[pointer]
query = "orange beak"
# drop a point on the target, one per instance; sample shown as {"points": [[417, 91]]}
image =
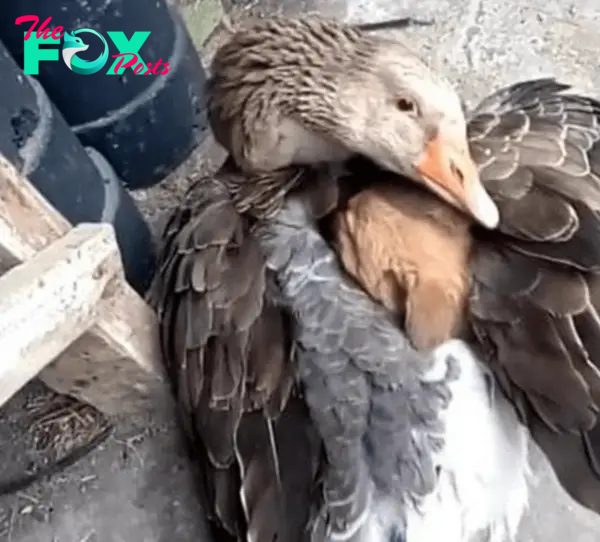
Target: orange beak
{"points": [[446, 167]]}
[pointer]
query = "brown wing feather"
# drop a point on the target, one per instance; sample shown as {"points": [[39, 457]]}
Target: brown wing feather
{"points": [[228, 353], [532, 306]]}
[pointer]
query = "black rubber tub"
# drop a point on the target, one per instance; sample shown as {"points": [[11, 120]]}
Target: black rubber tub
{"points": [[146, 125], [79, 182]]}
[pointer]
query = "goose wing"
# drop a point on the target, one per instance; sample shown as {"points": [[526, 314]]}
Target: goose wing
{"points": [[228, 353], [535, 282], [378, 405]]}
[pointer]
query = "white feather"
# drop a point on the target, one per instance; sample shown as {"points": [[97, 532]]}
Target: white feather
{"points": [[484, 467]]}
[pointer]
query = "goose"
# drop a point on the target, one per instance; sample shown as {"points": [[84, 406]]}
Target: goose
{"points": [[308, 412], [528, 293], [292, 91]]}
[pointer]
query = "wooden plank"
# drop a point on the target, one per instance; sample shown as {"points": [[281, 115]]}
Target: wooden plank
{"points": [[47, 302], [116, 365]]}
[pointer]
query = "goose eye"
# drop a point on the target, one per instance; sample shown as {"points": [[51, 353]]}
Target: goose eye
{"points": [[406, 105]]}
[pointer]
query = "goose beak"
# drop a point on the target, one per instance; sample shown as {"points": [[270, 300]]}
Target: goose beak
{"points": [[446, 167]]}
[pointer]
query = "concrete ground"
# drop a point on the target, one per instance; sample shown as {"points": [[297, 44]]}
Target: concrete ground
{"points": [[136, 487]]}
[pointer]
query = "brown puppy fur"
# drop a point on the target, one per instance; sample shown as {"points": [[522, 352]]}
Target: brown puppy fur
{"points": [[410, 251]]}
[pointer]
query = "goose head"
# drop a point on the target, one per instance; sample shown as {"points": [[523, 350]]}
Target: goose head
{"points": [[306, 90], [411, 122]]}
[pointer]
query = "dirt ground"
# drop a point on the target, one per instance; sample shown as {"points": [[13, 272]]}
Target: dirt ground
{"points": [[137, 485]]}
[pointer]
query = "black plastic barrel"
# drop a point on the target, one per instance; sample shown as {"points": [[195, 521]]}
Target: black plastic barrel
{"points": [[146, 125], [78, 182]]}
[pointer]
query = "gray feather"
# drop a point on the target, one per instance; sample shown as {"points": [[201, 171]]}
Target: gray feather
{"points": [[365, 387]]}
